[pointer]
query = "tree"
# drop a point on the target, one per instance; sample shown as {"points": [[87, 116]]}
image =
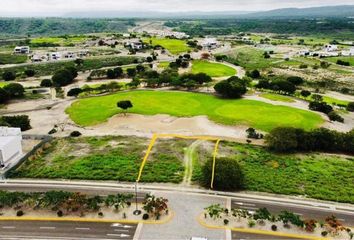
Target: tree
{"points": [[46, 83], [282, 139], [305, 93], [63, 77], [124, 105], [30, 72], [333, 116], [74, 92], [350, 107], [131, 72], [110, 74], [283, 86], [231, 88], [254, 74], [317, 98], [15, 90], [295, 80], [79, 61], [140, 68], [4, 96], [228, 174], [9, 76], [149, 59]]}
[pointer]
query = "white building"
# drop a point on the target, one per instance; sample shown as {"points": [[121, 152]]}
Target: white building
{"points": [[136, 45], [22, 50], [210, 43], [331, 48], [10, 145], [304, 52], [349, 52], [54, 56]]}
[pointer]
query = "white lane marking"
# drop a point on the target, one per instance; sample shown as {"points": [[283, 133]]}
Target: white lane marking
{"points": [[121, 230], [122, 235], [127, 226], [47, 227], [244, 204], [8, 227], [116, 225], [78, 228]]}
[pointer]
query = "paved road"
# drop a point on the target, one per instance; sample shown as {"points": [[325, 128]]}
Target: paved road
{"points": [[241, 236], [306, 211], [65, 230]]}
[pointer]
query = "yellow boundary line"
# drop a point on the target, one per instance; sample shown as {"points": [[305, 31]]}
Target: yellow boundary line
{"points": [[157, 136], [258, 231], [72, 219]]}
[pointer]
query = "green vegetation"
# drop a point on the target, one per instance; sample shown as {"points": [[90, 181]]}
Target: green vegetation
{"points": [[105, 158], [174, 46], [257, 114], [346, 59], [3, 84], [164, 64], [12, 59], [277, 97], [212, 69], [62, 41], [320, 176]]}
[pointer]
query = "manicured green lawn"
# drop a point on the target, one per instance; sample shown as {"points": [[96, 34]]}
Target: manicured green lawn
{"points": [[313, 175], [105, 158], [174, 46], [212, 69], [263, 116], [276, 97]]}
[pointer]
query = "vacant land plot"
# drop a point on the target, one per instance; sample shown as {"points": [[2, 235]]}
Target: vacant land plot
{"points": [[315, 175], [263, 116], [212, 69], [277, 97], [12, 59], [65, 41], [174, 46], [106, 158]]}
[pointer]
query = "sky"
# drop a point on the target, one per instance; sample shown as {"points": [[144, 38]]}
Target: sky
{"points": [[57, 7]]}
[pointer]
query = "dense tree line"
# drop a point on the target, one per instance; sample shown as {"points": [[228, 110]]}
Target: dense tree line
{"points": [[288, 139]]}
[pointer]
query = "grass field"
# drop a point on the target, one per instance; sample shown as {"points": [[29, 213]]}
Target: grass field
{"points": [[58, 40], [276, 97], [212, 69], [346, 59], [263, 116], [12, 59], [316, 175], [174, 46], [164, 64], [106, 158]]}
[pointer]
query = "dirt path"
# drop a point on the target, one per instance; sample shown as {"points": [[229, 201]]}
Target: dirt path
{"points": [[188, 162]]}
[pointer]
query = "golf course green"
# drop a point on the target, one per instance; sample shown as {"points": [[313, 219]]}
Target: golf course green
{"points": [[260, 115], [212, 69]]}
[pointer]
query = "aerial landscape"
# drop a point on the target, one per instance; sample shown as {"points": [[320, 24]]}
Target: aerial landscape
{"points": [[191, 120]]}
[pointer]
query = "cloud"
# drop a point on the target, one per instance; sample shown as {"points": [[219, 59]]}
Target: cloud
{"points": [[62, 6]]}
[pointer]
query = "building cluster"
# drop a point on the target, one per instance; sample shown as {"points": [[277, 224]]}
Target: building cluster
{"points": [[329, 50], [209, 43], [10, 145], [167, 34]]}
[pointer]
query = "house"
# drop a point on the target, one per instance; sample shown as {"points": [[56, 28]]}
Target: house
{"points": [[304, 52], [22, 50], [54, 56], [37, 58], [10, 145], [210, 43], [69, 55], [136, 45], [331, 48]]}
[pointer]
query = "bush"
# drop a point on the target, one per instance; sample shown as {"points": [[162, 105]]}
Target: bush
{"points": [[350, 107], [4, 96], [64, 76], [282, 139], [145, 216], [226, 221], [305, 93], [52, 131], [303, 66], [74, 92], [231, 88], [274, 227], [333, 116], [295, 80], [46, 83], [100, 214], [19, 213], [254, 74], [324, 233], [343, 63], [20, 121], [251, 223], [9, 76], [15, 90], [75, 134], [60, 213], [228, 174], [320, 107], [30, 72]]}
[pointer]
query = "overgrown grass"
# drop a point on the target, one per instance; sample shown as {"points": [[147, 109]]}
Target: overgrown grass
{"points": [[105, 158], [69, 40], [260, 115], [277, 97], [346, 59], [313, 175], [174, 46], [12, 59], [212, 69]]}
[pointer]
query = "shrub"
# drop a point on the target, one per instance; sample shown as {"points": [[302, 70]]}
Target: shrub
{"points": [[350, 107], [30, 72], [4, 96], [320, 107], [343, 63], [64, 76], [228, 174], [46, 83], [20, 121], [52, 131], [145, 216], [324, 233], [254, 74], [100, 214], [282, 139], [9, 76], [19, 213], [295, 80], [251, 223], [124, 105], [226, 221], [303, 66], [75, 134], [15, 90], [305, 93], [60, 213], [274, 227], [74, 92], [333, 116]]}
